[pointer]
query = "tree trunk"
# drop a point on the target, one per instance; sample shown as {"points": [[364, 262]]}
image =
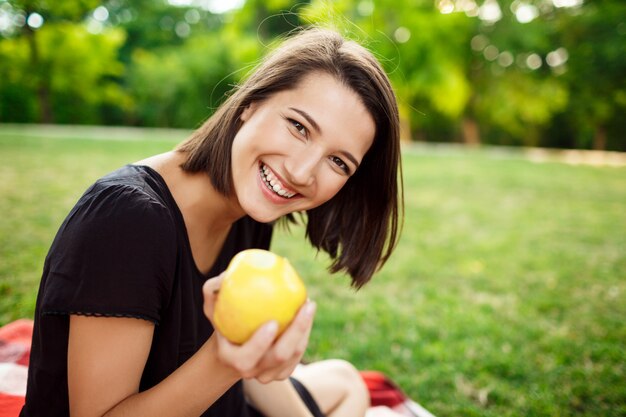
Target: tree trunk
{"points": [[599, 139], [471, 132], [41, 82]]}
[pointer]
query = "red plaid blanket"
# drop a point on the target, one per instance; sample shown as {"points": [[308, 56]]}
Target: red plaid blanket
{"points": [[384, 392], [15, 341]]}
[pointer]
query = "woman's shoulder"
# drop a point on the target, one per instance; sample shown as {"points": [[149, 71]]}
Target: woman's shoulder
{"points": [[126, 188], [136, 180], [131, 198]]}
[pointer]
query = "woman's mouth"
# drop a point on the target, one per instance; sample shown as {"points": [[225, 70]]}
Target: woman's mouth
{"points": [[273, 183]]}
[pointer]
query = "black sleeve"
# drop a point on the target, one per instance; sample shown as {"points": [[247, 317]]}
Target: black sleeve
{"points": [[115, 255]]}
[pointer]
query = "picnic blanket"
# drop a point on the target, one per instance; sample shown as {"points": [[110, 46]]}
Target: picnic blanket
{"points": [[15, 341], [384, 392]]}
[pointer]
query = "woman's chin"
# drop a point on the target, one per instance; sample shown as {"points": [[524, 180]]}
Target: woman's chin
{"points": [[264, 218], [259, 213]]}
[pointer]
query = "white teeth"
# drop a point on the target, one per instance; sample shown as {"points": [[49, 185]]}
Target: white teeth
{"points": [[273, 184]]}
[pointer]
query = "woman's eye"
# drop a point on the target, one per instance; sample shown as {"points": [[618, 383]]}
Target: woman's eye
{"points": [[299, 127], [339, 162]]}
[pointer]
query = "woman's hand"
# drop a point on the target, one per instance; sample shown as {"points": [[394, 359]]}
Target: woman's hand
{"points": [[262, 357]]}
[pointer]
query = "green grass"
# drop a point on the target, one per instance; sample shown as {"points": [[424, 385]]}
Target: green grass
{"points": [[505, 297]]}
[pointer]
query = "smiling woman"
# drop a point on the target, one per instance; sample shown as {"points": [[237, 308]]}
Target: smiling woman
{"points": [[300, 139], [123, 324], [358, 244]]}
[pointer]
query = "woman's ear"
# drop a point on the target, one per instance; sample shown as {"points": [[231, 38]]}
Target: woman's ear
{"points": [[248, 111]]}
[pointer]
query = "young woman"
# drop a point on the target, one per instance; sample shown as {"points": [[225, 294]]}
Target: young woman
{"points": [[122, 322]]}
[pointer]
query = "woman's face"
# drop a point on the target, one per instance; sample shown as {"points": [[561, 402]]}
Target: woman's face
{"points": [[295, 150]]}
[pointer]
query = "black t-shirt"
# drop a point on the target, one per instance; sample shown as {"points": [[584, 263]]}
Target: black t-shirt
{"points": [[123, 251]]}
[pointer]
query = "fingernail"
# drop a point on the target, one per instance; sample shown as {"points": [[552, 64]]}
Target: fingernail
{"points": [[270, 329], [309, 309]]}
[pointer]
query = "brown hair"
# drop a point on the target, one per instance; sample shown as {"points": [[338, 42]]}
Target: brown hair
{"points": [[359, 227]]}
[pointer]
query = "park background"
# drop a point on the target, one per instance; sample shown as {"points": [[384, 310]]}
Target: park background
{"points": [[505, 296]]}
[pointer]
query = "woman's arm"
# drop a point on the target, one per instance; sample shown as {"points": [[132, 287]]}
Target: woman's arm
{"points": [[107, 356]]}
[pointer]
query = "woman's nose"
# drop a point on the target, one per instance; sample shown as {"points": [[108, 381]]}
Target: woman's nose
{"points": [[301, 167]]}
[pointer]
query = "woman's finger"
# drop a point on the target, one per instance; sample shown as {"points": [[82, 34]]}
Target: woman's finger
{"points": [[262, 357], [287, 351], [210, 290], [246, 358], [294, 340], [304, 342]]}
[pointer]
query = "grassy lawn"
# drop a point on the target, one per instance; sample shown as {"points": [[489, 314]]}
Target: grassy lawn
{"points": [[505, 297]]}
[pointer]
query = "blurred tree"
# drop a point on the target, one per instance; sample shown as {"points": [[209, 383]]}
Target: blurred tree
{"points": [[36, 12], [516, 96], [77, 69], [546, 73], [153, 24], [267, 19], [71, 10], [595, 39], [180, 86], [514, 108], [17, 86], [471, 71], [194, 56], [196, 71], [421, 49], [513, 72]]}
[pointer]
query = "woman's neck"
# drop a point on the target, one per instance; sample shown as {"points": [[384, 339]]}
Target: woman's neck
{"points": [[203, 207], [207, 213]]}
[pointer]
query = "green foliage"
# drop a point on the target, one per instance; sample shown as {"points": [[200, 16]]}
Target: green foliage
{"points": [[82, 68], [519, 105], [152, 25], [426, 76], [57, 10], [181, 86], [596, 41], [17, 84], [266, 20], [77, 69], [459, 76]]}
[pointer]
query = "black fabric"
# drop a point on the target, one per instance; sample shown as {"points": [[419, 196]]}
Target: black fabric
{"points": [[306, 397], [123, 251]]}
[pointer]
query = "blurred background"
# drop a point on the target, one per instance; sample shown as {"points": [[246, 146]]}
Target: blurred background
{"points": [[549, 73], [506, 294]]}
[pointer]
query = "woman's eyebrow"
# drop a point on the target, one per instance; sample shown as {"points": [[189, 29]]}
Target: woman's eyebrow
{"points": [[317, 128], [349, 156], [309, 119]]}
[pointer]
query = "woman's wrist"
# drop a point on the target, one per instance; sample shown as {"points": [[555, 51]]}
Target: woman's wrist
{"points": [[211, 356], [198, 383]]}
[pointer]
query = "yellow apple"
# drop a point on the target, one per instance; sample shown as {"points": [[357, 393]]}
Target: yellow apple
{"points": [[258, 286]]}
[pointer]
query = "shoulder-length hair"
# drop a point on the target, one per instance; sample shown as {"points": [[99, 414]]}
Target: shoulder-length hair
{"points": [[360, 226]]}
